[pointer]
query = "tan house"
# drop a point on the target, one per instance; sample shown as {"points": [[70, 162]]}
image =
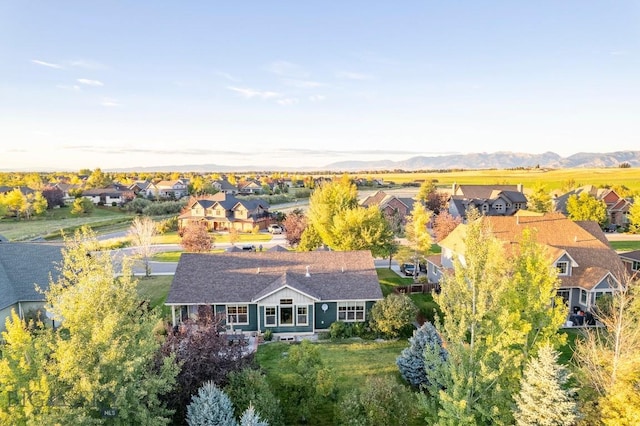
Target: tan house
{"points": [[173, 189], [489, 200], [587, 265], [224, 211]]}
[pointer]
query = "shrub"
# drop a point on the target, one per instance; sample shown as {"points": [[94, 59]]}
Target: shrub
{"points": [[268, 335], [394, 315]]}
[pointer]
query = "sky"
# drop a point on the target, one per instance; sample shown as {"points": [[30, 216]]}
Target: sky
{"points": [[125, 84]]}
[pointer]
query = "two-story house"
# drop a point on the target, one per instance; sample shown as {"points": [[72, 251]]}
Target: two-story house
{"points": [[395, 209], [172, 189], [223, 211], [145, 189], [489, 200], [587, 266], [617, 206]]}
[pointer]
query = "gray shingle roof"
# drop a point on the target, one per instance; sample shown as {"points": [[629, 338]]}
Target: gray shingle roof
{"points": [[22, 266], [246, 276]]}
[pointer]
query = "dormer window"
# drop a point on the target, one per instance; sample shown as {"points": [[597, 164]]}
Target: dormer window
{"points": [[563, 268]]}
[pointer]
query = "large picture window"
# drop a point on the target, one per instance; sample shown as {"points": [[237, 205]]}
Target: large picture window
{"points": [[237, 314], [350, 311]]}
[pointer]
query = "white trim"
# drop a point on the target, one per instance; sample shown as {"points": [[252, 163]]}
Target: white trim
{"points": [[237, 315], [286, 286]]}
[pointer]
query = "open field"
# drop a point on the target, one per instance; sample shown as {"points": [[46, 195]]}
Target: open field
{"points": [[549, 178]]}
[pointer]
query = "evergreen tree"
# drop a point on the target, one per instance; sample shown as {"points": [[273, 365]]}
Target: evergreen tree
{"points": [[411, 361], [544, 399], [250, 388], [210, 407], [251, 418]]}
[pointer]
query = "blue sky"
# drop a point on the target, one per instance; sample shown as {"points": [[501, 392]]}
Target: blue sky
{"points": [[306, 83]]}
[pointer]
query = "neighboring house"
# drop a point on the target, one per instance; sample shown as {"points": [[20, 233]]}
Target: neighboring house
{"points": [[24, 189], [223, 185], [67, 189], [289, 293], [23, 268], [587, 265], [490, 200], [223, 211], [617, 207], [631, 262], [249, 187], [109, 196], [145, 189], [173, 189], [393, 207]]}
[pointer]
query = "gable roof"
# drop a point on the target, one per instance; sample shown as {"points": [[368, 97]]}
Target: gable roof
{"points": [[247, 276], [482, 191], [584, 242], [22, 266]]}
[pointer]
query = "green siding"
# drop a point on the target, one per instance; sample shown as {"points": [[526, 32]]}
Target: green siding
{"points": [[289, 329], [325, 319]]}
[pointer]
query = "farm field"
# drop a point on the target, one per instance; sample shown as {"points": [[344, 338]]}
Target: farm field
{"points": [[550, 178]]}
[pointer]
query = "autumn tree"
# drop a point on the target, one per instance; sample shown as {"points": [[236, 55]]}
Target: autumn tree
{"points": [[196, 238], [444, 223], [82, 206], [634, 216], [586, 207], [609, 360], [294, 225], [98, 179], [202, 353], [498, 310], [394, 315], [417, 231], [141, 233], [13, 201], [539, 200], [431, 198], [54, 197], [234, 235], [104, 353]]}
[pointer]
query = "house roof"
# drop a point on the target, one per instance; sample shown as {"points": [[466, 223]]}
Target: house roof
{"points": [[631, 255], [22, 266], [482, 191], [247, 276], [584, 242]]}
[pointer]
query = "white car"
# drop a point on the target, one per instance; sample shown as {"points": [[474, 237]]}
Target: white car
{"points": [[275, 229]]}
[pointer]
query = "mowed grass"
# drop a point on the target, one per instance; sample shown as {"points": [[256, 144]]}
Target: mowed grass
{"points": [[174, 238], [154, 289], [424, 301], [622, 246], [57, 220]]}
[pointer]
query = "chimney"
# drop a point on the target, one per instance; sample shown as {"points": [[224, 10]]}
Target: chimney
{"points": [[307, 274], [258, 271], [454, 187], [519, 187]]}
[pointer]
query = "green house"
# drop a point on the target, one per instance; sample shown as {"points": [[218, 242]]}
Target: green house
{"points": [[289, 293]]}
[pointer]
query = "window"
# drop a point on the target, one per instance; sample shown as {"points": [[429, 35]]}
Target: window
{"points": [[270, 315], [286, 301], [499, 207], [302, 315], [635, 266], [583, 297], [237, 314], [563, 268], [218, 212], [350, 311], [565, 296]]}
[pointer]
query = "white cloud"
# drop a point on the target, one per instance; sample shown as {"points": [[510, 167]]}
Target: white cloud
{"points": [[302, 84], [251, 93], [317, 98], [287, 101], [89, 65], [228, 76], [75, 87], [88, 82], [349, 75], [287, 69], [109, 102], [47, 64]]}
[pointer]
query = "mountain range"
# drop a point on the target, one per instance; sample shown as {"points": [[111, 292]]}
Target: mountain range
{"points": [[496, 160]]}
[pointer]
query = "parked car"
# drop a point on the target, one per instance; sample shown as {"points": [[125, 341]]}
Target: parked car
{"points": [[275, 229], [408, 269], [249, 247]]}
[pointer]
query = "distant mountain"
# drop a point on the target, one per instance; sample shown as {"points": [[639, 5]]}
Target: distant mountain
{"points": [[496, 160], [484, 160]]}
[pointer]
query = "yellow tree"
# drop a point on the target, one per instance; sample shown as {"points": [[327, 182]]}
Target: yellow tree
{"points": [[417, 230], [141, 232]]}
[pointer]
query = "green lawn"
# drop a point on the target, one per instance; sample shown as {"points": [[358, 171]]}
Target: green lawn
{"points": [[174, 238], [155, 289], [352, 362], [53, 222], [625, 245]]}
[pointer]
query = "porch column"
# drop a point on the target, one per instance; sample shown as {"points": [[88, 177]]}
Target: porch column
{"points": [[173, 315]]}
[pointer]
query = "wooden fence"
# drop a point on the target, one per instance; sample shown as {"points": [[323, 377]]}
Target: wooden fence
{"points": [[417, 288]]}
